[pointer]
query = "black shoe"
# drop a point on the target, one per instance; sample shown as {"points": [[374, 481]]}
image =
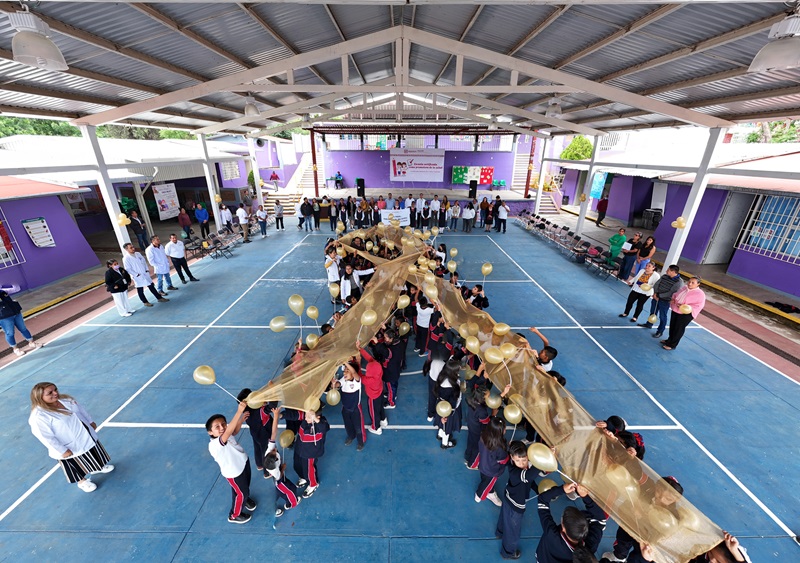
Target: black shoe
{"points": [[163, 300], [348, 441], [248, 241], [658, 335], [515, 555], [360, 447], [162, 293], [243, 518], [645, 325], [193, 279], [450, 444], [623, 315], [250, 505], [148, 304], [172, 288]]}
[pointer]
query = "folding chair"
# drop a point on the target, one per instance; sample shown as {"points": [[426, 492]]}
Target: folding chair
{"points": [[581, 250], [610, 268]]}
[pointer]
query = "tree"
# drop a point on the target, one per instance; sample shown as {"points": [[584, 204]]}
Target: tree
{"points": [[579, 149], [784, 131], [175, 134], [10, 126]]}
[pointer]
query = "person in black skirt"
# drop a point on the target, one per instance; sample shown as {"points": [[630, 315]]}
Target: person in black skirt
{"points": [[448, 388]]}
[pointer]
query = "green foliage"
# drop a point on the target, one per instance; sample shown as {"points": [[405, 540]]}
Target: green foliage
{"points": [[579, 149], [251, 180], [784, 131], [754, 137], [127, 132], [176, 134], [10, 126]]}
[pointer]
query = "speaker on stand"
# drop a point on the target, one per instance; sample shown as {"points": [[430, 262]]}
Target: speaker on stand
{"points": [[360, 188], [473, 189]]}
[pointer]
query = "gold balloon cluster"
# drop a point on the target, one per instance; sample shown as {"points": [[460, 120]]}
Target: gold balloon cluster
{"points": [[122, 220], [679, 223], [297, 304]]}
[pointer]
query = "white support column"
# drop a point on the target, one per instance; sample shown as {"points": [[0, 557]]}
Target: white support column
{"points": [[208, 168], [695, 197], [143, 214], [251, 146], [105, 185], [587, 186], [540, 183]]}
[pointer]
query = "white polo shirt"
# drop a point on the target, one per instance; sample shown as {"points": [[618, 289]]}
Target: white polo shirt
{"points": [[242, 215], [435, 205], [231, 457], [175, 249], [420, 204]]}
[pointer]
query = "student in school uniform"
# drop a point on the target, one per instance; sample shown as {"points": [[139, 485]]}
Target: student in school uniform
{"points": [[309, 447], [233, 462], [423, 320], [332, 262], [477, 297], [448, 388], [579, 532], [259, 421], [492, 459], [520, 480], [478, 416], [392, 365], [287, 497], [352, 414], [372, 378], [350, 282]]}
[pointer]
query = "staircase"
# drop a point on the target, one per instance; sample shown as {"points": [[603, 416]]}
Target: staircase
{"points": [[307, 182], [520, 174], [548, 206]]}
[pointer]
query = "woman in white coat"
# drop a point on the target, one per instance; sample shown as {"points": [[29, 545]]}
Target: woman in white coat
{"points": [[68, 433], [136, 265]]}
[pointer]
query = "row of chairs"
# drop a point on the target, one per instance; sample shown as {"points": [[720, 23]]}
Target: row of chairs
{"points": [[596, 258], [219, 244]]}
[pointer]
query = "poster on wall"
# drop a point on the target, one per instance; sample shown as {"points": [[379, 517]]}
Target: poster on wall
{"points": [[465, 174], [39, 232], [598, 183], [402, 215], [166, 200], [416, 165]]}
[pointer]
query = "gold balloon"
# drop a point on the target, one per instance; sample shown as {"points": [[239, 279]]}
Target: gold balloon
{"points": [[122, 216], [277, 324], [311, 340], [486, 269], [255, 405], [418, 233], [645, 287], [127, 221], [451, 266], [395, 223], [412, 269], [121, 222], [204, 375], [381, 227], [369, 245], [360, 234], [340, 228], [369, 317], [463, 331], [453, 252], [403, 301], [546, 485], [620, 477], [508, 350], [689, 518], [469, 374], [333, 289], [431, 292], [685, 309], [430, 278], [286, 438], [473, 328], [493, 355], [652, 319], [408, 230], [473, 344], [332, 397], [494, 401], [501, 329], [312, 313], [340, 251], [404, 328], [542, 457], [662, 519], [218, 198], [674, 224], [391, 216], [444, 409], [422, 261], [390, 244], [312, 404], [680, 220], [582, 198], [513, 414], [297, 304], [435, 231]]}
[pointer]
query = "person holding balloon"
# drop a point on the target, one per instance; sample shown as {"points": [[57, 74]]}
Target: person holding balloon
{"points": [[372, 379], [520, 480], [686, 304], [642, 289], [663, 290], [309, 447], [478, 416], [260, 424], [492, 459], [352, 414], [287, 497], [447, 391]]}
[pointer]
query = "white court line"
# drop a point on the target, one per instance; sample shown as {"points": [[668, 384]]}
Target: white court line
{"points": [[125, 325], [27, 493], [217, 327], [304, 280], [663, 409], [178, 425]]}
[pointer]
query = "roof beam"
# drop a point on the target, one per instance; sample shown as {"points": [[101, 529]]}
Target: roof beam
{"points": [[469, 25], [259, 73], [419, 88], [531, 69], [343, 38]]}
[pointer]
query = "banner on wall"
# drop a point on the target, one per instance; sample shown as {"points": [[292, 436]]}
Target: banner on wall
{"points": [[416, 165], [465, 174], [402, 215], [39, 232], [598, 183], [166, 200]]}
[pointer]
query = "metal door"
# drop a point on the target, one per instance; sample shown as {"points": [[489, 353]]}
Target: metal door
{"points": [[722, 244]]}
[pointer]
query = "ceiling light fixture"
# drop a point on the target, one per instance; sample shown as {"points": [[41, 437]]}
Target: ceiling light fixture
{"points": [[783, 51], [554, 108], [31, 44], [250, 107]]}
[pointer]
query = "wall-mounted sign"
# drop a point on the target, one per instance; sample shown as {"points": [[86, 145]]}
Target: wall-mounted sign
{"points": [[166, 200], [39, 232]]}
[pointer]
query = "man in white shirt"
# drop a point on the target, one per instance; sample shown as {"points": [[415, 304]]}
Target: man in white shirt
{"points": [[244, 221], [158, 260], [420, 203], [137, 267], [409, 201], [435, 206], [177, 253], [502, 215]]}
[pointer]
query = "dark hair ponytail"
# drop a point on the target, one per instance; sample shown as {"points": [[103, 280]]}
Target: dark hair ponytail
{"points": [[575, 525]]}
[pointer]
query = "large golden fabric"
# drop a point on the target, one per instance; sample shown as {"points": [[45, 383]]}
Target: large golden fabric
{"points": [[625, 487]]}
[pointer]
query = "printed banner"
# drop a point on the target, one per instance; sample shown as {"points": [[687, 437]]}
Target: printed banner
{"points": [[481, 174], [39, 232], [416, 165], [598, 183], [402, 215], [166, 200]]}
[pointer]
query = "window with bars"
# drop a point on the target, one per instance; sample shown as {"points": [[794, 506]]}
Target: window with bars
{"points": [[10, 254], [772, 228]]}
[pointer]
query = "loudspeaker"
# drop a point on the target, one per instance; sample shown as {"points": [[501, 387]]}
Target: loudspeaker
{"points": [[360, 187], [260, 142], [473, 189]]}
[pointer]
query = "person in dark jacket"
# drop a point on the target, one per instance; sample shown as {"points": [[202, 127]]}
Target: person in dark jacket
{"points": [[259, 421], [602, 207], [520, 480], [492, 459], [579, 531], [309, 447], [665, 288], [117, 282], [201, 215], [139, 229], [11, 320], [306, 210]]}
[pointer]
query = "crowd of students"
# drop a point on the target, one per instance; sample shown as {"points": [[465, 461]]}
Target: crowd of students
{"points": [[375, 369]]}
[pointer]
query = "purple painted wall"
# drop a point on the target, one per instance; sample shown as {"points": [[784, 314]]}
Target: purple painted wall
{"points": [[642, 194], [569, 186], [766, 271], [71, 254], [373, 166], [703, 226], [619, 199]]}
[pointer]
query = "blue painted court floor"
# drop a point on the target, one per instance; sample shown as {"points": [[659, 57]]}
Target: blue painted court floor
{"points": [[723, 423]]}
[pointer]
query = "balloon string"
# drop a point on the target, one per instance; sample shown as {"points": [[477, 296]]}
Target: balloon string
{"points": [[566, 476], [301, 326], [514, 432], [228, 392]]}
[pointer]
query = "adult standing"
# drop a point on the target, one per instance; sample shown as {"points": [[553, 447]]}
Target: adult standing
{"points": [[409, 200], [306, 210], [177, 253], [184, 221], [502, 216], [117, 282], [669, 283], [298, 212], [69, 434], [602, 207], [315, 210], [351, 209], [11, 320], [244, 222], [136, 265], [226, 217], [468, 218], [686, 304], [484, 208], [201, 214], [261, 216], [334, 214], [139, 229], [646, 252], [279, 216], [158, 260], [642, 287], [274, 178], [444, 210], [390, 203], [412, 214], [420, 203], [615, 244], [629, 256], [496, 212], [455, 213]]}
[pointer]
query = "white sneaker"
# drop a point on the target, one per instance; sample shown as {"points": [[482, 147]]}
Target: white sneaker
{"points": [[107, 468], [379, 431], [302, 483], [494, 499], [86, 486], [612, 558], [384, 423], [430, 419], [126, 315], [33, 345], [477, 498], [19, 351]]}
